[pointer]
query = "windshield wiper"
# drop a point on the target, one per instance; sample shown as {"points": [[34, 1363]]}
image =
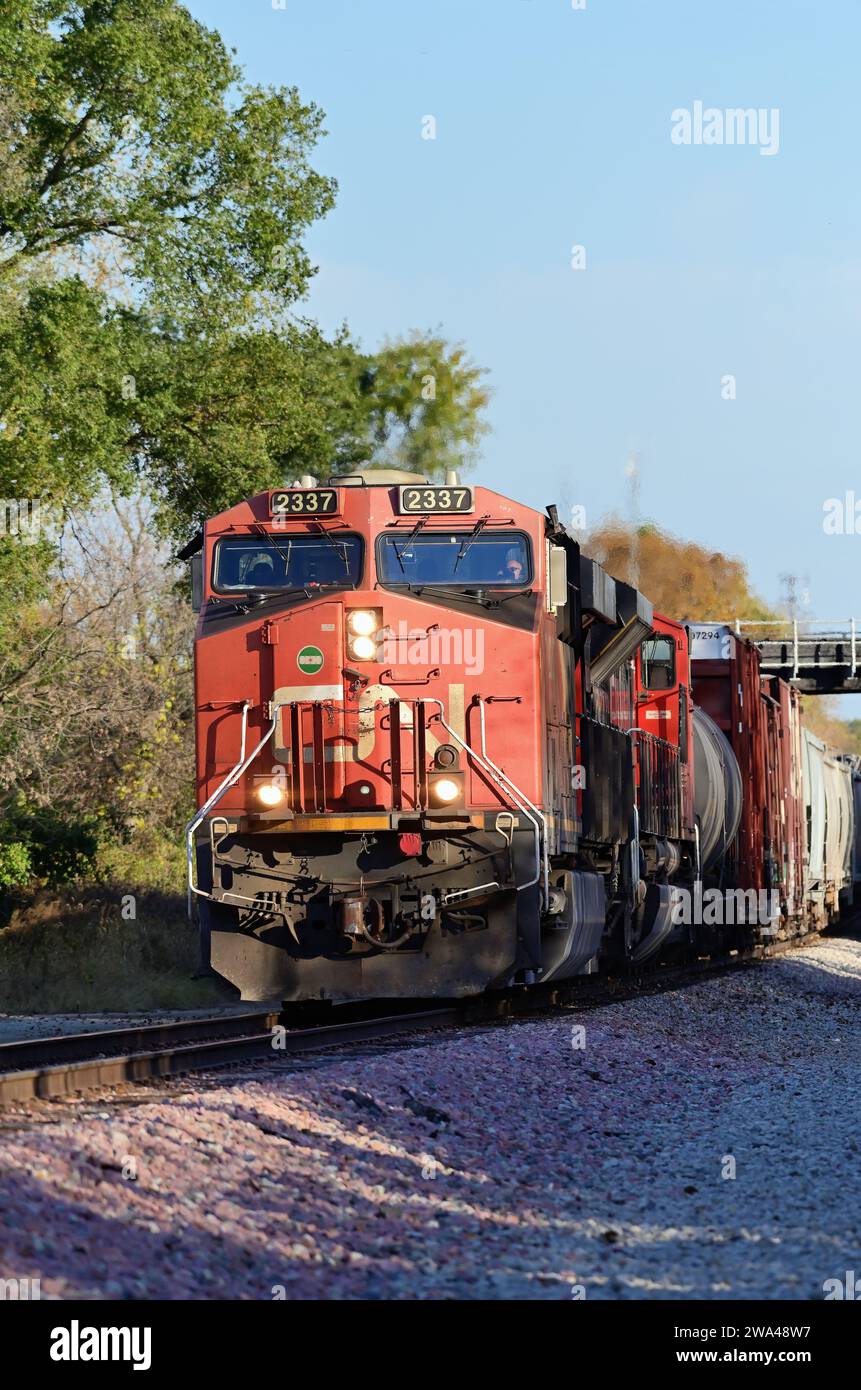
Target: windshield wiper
{"points": [[256, 597], [470, 539], [506, 598], [422, 521], [268, 536], [340, 550], [444, 591], [452, 591]]}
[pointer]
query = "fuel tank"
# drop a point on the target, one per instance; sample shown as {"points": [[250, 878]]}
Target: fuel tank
{"points": [[717, 789]]}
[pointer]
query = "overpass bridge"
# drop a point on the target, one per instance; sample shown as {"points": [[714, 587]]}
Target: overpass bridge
{"points": [[818, 656]]}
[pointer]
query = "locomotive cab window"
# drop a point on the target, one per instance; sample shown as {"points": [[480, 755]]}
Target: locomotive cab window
{"points": [[244, 564], [658, 659], [461, 559]]}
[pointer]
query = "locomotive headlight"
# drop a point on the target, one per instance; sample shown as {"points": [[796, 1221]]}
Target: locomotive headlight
{"points": [[270, 794], [363, 628], [445, 790], [362, 621], [362, 648]]}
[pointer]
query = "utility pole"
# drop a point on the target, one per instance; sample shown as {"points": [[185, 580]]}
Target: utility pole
{"points": [[632, 473], [795, 600]]}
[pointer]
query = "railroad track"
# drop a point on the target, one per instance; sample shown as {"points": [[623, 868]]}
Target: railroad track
{"points": [[43, 1068], [46, 1068]]}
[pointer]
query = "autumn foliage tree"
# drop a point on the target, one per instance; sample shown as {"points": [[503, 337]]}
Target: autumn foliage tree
{"points": [[683, 580]]}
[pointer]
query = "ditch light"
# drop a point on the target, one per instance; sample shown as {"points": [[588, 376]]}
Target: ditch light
{"points": [[446, 789], [270, 794]]}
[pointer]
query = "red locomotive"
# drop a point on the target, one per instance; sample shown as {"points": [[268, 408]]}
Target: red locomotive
{"points": [[440, 751]]}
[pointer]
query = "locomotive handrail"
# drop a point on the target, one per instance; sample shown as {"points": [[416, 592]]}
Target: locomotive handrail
{"points": [[401, 680], [498, 776], [537, 819], [230, 780], [653, 738], [659, 794]]}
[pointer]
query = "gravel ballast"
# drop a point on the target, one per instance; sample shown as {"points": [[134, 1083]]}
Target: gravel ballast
{"points": [[699, 1143], [27, 1027]]}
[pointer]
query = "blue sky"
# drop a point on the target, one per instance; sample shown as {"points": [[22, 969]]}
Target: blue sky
{"points": [[553, 129]]}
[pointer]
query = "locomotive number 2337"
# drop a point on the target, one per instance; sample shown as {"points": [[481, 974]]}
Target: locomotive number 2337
{"points": [[436, 499], [320, 501]]}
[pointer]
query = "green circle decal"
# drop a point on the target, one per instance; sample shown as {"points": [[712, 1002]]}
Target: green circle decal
{"points": [[309, 660]]}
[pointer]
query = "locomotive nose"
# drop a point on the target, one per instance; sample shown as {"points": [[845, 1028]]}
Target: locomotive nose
{"points": [[323, 661], [322, 649], [308, 655]]}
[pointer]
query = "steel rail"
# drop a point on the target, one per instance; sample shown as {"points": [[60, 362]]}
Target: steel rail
{"points": [[38, 1074], [70, 1047], [37, 1068]]}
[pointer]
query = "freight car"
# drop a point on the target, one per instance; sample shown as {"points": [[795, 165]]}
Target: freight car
{"points": [[442, 751]]}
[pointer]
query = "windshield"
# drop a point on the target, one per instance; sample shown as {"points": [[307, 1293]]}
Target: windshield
{"points": [[455, 557], [245, 563]]}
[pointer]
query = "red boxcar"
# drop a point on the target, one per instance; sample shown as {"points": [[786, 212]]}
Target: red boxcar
{"points": [[760, 718]]}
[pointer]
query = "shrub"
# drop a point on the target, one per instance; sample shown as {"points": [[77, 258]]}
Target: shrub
{"points": [[42, 845], [16, 867]]}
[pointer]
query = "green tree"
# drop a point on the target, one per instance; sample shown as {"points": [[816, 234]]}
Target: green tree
{"points": [[150, 201], [425, 401], [152, 210], [136, 134], [152, 214], [65, 424], [221, 419]]}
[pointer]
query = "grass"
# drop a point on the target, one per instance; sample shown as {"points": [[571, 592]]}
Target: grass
{"points": [[83, 951]]}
